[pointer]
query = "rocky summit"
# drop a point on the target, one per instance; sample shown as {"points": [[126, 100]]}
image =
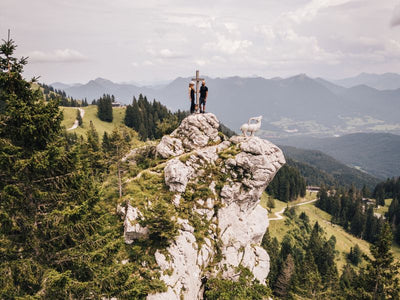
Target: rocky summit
{"points": [[206, 191]]}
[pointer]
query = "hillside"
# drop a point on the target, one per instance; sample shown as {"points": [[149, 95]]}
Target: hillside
{"points": [[344, 240], [375, 153], [91, 116], [290, 106], [330, 167]]}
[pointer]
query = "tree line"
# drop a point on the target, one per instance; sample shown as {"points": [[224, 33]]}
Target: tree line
{"points": [[390, 189], [151, 120], [348, 209], [287, 185], [104, 107], [50, 93]]}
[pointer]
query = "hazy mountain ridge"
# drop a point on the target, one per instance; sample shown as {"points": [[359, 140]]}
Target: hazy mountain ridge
{"points": [[375, 153], [327, 165], [291, 106], [386, 81]]}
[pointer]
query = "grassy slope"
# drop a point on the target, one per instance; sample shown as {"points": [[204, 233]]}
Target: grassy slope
{"points": [[91, 115], [383, 209], [344, 240]]}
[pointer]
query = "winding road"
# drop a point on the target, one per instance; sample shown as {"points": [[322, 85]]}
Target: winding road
{"points": [[76, 123], [279, 213]]}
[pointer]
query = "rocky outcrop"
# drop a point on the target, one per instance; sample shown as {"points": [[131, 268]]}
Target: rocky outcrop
{"points": [[132, 229], [196, 131], [216, 185]]}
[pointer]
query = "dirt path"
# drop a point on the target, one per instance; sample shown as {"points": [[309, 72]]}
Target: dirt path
{"points": [[76, 123], [279, 213]]}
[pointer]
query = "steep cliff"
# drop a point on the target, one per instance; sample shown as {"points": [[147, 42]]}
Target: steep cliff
{"points": [[200, 202]]}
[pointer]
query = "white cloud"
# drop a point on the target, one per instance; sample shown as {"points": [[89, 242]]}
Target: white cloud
{"points": [[167, 53], [148, 63], [59, 55], [226, 45], [309, 11]]}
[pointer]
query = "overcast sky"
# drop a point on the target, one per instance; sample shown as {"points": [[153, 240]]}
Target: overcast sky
{"points": [[149, 40]]}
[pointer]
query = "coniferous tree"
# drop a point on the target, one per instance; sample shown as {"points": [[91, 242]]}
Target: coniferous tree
{"points": [[381, 273], [79, 117], [287, 185], [104, 108], [45, 195], [283, 281], [355, 255]]}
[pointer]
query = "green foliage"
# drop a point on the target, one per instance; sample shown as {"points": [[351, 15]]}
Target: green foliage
{"points": [[379, 278], [104, 108], [245, 288], [355, 255], [348, 210], [287, 185], [304, 263], [151, 120], [153, 198], [390, 189], [50, 93], [381, 275], [58, 239], [78, 117]]}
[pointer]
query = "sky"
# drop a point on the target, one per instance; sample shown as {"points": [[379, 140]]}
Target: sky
{"points": [[152, 41]]}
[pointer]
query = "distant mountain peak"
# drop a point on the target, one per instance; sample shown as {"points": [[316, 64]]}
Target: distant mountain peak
{"points": [[102, 81]]}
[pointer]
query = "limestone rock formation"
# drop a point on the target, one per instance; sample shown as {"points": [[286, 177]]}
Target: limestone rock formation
{"points": [[215, 187], [132, 229]]}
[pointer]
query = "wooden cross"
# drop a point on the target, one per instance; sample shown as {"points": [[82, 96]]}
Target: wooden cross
{"points": [[197, 80]]}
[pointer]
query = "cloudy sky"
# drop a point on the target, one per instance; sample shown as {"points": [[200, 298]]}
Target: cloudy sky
{"points": [[153, 40]]}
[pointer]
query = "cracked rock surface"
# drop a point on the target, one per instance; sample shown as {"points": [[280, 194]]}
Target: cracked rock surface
{"points": [[217, 182]]}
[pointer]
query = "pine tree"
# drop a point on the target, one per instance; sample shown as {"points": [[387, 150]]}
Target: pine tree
{"points": [[79, 117], [283, 281], [45, 195], [104, 108], [355, 255], [381, 275]]}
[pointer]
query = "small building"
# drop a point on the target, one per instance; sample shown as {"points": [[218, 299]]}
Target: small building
{"points": [[116, 104], [311, 188]]}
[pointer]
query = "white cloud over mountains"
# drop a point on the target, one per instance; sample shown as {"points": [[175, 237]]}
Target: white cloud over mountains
{"points": [[56, 56], [153, 40]]}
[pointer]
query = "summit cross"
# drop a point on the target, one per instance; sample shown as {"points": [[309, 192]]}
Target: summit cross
{"points": [[197, 80]]}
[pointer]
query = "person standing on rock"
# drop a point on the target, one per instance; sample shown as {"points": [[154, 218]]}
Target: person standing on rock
{"points": [[203, 96], [192, 98]]}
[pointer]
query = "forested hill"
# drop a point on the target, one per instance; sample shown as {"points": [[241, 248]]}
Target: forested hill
{"points": [[333, 171]]}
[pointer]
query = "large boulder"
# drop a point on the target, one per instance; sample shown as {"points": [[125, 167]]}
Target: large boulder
{"points": [[196, 131]]}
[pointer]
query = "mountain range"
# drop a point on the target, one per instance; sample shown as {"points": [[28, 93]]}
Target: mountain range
{"points": [[374, 153], [386, 81], [296, 105]]}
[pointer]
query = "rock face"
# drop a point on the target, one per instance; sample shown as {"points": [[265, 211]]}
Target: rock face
{"points": [[218, 184], [132, 229]]}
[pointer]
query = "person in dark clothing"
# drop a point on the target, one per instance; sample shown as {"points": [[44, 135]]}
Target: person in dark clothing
{"points": [[203, 97], [192, 98]]}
